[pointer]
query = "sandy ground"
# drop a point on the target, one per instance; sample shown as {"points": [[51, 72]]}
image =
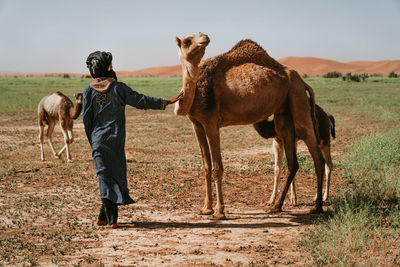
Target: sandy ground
{"points": [[156, 238]]}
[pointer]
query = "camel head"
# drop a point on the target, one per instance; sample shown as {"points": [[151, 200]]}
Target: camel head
{"points": [[192, 48], [191, 51], [78, 98]]}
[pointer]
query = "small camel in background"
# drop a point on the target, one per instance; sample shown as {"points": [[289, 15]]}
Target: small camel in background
{"points": [[58, 107], [326, 126]]}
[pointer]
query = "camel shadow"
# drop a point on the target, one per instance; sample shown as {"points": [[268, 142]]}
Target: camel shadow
{"points": [[290, 220]]}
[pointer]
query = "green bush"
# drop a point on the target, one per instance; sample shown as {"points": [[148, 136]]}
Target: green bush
{"points": [[392, 74], [364, 76], [333, 74], [355, 77]]}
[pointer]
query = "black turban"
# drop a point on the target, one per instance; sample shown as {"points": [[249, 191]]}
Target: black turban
{"points": [[98, 63]]}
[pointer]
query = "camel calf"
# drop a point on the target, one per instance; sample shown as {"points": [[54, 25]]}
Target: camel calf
{"points": [[58, 107], [326, 126]]}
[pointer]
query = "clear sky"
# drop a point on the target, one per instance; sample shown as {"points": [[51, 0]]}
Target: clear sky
{"points": [[57, 36]]}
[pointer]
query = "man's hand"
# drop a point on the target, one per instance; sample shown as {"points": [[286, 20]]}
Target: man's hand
{"points": [[173, 100]]}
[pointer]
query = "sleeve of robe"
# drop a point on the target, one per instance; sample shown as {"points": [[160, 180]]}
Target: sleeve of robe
{"points": [[137, 100]]}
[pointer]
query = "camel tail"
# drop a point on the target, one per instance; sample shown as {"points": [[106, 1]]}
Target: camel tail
{"points": [[313, 114], [332, 122], [265, 128]]}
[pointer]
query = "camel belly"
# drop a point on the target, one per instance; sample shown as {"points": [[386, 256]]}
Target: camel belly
{"points": [[249, 93]]}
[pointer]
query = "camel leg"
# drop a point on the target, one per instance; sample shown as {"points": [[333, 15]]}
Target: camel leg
{"points": [[278, 155], [293, 195], [61, 150], [67, 139], [70, 139], [41, 140], [213, 138], [326, 153], [206, 160], [50, 130], [285, 130], [319, 165]]}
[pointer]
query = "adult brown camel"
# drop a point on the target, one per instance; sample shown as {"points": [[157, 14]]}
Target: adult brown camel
{"points": [[58, 107], [244, 86]]}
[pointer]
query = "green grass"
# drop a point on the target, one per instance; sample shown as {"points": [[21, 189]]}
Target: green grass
{"points": [[18, 93], [363, 225], [365, 217], [376, 98]]}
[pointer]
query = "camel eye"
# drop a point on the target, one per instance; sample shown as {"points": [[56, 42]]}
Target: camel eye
{"points": [[187, 42]]}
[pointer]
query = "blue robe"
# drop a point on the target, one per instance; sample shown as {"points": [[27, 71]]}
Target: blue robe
{"points": [[105, 130]]}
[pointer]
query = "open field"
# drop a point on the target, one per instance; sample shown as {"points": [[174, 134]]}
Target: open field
{"points": [[48, 209]]}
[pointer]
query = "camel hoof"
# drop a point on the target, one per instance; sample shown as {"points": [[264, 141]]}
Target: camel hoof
{"points": [[271, 202], [69, 160], [316, 210], [274, 210], [205, 211], [325, 198], [218, 216]]}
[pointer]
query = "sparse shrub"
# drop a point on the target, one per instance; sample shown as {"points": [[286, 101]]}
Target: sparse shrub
{"points": [[364, 76], [305, 75], [355, 77], [332, 74], [66, 76], [392, 74]]}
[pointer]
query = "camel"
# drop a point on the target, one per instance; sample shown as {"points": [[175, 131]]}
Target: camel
{"points": [[326, 127], [58, 107], [244, 86]]}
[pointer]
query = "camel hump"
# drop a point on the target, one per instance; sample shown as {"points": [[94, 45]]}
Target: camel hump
{"points": [[245, 51], [63, 97], [248, 45], [60, 94], [248, 51]]}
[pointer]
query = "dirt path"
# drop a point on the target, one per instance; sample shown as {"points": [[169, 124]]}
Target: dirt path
{"points": [[156, 238]]}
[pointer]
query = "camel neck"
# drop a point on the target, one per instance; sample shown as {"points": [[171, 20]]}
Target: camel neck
{"points": [[190, 72], [189, 80], [75, 111]]}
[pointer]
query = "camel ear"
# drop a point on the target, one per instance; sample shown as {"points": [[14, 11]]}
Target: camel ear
{"points": [[178, 41]]}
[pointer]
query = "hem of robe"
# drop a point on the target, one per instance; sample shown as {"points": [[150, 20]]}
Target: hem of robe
{"points": [[131, 201]]}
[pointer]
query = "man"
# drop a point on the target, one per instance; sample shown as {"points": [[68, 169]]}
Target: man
{"points": [[104, 101]]}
